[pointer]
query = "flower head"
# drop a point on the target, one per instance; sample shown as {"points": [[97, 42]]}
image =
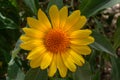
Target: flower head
{"points": [[58, 43]]}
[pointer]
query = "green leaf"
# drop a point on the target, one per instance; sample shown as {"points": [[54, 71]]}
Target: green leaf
{"points": [[13, 2], [83, 73], [36, 74], [6, 55], [97, 75], [15, 73], [32, 4], [102, 44], [59, 4], [12, 71], [115, 68], [20, 75], [6, 23], [8, 10], [16, 49], [90, 7], [99, 25], [117, 35], [116, 61], [3, 41]]}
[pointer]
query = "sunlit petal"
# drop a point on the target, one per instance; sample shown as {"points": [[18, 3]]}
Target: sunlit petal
{"points": [[43, 19], [46, 60], [68, 61], [54, 16], [61, 66], [84, 41], [63, 16], [82, 50], [53, 66]]}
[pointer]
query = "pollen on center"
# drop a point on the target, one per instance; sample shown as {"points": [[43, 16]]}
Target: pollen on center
{"points": [[56, 41]]}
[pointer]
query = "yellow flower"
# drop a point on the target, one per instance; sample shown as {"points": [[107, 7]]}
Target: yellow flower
{"points": [[58, 43]]}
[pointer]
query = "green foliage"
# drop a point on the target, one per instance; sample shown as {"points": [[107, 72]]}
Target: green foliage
{"points": [[9, 11], [117, 35], [7, 23], [83, 73], [36, 74], [102, 44], [91, 7], [116, 61], [59, 3], [105, 49], [115, 68], [32, 4], [14, 73]]}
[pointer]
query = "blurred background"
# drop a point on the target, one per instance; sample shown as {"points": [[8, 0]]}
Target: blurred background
{"points": [[103, 18]]}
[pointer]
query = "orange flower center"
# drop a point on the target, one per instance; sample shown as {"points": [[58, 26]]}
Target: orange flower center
{"points": [[56, 41]]}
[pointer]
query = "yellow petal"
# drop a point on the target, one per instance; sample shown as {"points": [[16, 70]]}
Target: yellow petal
{"points": [[53, 67], [33, 23], [36, 52], [46, 60], [54, 16], [84, 41], [35, 62], [79, 24], [60, 65], [35, 56], [43, 19], [80, 34], [78, 59], [29, 45], [82, 50], [33, 33], [36, 24], [68, 61], [25, 38], [63, 16], [71, 20]]}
